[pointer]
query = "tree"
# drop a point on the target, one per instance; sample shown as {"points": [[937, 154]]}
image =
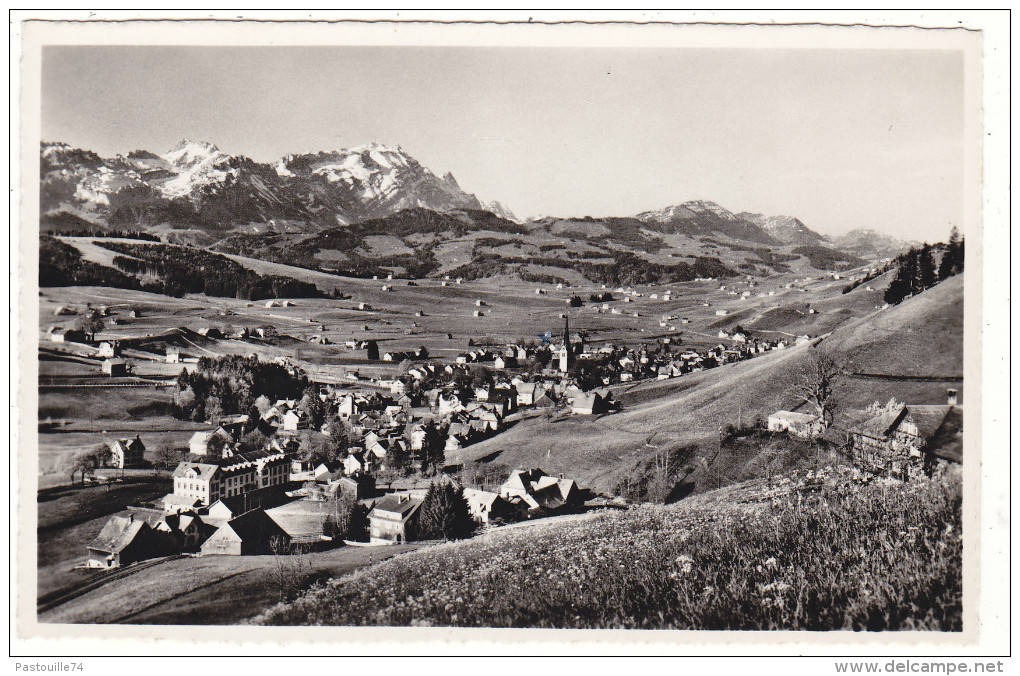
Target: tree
{"points": [[817, 384], [926, 275], [952, 257], [433, 450], [254, 440], [90, 323], [214, 447], [262, 404], [86, 461], [444, 513], [372, 350], [338, 440], [313, 407], [347, 520], [167, 456], [481, 376]]}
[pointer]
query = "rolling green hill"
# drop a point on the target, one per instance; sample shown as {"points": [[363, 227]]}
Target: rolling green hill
{"points": [[821, 551]]}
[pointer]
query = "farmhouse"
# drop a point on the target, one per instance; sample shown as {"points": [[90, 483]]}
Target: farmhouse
{"points": [[902, 439], [115, 367], [123, 540], [127, 453], [199, 442], [393, 519], [486, 507], [591, 403], [108, 349], [801, 425], [357, 486], [541, 492], [251, 533]]}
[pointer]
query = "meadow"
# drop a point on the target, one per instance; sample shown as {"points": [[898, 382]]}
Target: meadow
{"points": [[826, 550]]}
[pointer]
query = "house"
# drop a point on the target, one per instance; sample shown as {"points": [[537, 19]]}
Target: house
{"points": [[108, 348], [541, 492], [355, 463], [234, 425], [115, 367], [327, 471], [62, 335], [293, 421], [185, 530], [528, 392], [393, 519], [357, 486], [591, 403], [487, 507], [123, 540], [199, 442], [796, 424], [902, 439], [251, 533], [127, 453]]}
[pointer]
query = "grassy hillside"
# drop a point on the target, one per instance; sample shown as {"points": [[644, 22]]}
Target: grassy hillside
{"points": [[921, 337], [810, 552]]}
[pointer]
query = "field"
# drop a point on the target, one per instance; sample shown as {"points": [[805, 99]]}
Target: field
{"points": [[820, 551], [70, 517], [212, 589]]}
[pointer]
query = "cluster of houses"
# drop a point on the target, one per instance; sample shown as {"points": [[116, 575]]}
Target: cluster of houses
{"points": [[526, 494], [895, 439]]}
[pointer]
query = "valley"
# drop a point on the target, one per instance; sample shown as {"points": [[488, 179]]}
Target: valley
{"points": [[359, 333]]}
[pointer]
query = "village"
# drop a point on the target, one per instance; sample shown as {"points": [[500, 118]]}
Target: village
{"points": [[231, 498], [380, 429]]}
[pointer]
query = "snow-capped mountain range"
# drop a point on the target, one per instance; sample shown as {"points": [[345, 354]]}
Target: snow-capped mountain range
{"points": [[196, 186], [324, 189]]}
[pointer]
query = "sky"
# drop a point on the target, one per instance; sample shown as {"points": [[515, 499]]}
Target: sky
{"points": [[840, 139]]}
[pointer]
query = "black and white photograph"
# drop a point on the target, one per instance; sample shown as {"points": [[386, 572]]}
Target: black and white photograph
{"points": [[569, 331]]}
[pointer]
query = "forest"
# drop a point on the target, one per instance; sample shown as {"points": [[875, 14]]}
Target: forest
{"points": [[179, 270], [230, 385]]}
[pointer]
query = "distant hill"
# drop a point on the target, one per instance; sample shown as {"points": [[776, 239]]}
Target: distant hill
{"points": [[705, 217], [870, 243], [786, 229]]}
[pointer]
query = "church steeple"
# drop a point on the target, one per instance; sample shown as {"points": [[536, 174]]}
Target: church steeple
{"points": [[566, 353]]}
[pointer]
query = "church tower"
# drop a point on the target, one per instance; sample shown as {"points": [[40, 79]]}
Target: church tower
{"points": [[566, 354]]}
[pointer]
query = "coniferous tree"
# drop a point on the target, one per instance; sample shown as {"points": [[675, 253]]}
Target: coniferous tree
{"points": [[926, 275], [444, 513]]}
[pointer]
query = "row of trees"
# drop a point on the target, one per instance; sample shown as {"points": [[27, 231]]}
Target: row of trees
{"points": [[86, 461], [916, 269]]}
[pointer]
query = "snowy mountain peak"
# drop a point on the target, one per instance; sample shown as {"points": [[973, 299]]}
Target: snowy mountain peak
{"points": [[190, 153], [786, 229]]}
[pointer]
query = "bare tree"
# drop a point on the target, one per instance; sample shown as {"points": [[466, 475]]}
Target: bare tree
{"points": [[168, 456], [818, 383]]}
